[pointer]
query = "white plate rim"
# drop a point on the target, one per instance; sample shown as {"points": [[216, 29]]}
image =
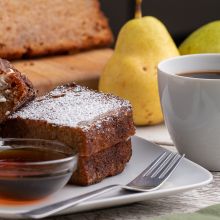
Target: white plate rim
{"points": [[142, 196]]}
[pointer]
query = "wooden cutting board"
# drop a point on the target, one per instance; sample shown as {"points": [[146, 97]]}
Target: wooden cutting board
{"points": [[83, 68]]}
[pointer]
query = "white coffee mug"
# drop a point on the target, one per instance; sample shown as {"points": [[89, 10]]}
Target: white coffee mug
{"points": [[191, 107]]}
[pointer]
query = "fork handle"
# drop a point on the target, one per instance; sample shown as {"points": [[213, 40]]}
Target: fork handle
{"points": [[59, 206]]}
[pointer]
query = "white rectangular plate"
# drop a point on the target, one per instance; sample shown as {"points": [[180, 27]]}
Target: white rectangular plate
{"points": [[188, 175]]}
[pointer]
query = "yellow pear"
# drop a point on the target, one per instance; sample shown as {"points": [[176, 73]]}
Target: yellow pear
{"points": [[131, 72], [206, 39]]}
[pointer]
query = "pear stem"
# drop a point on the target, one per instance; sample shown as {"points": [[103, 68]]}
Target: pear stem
{"points": [[138, 11]]}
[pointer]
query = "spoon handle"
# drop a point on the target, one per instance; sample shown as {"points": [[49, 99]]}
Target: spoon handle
{"points": [[59, 206]]}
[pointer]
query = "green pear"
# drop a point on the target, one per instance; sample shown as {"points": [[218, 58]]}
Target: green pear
{"points": [[131, 72], [206, 39]]}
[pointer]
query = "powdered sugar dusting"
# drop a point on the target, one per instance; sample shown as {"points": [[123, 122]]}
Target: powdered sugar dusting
{"points": [[71, 105]]}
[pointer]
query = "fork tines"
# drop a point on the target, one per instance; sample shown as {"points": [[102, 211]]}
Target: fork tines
{"points": [[163, 165]]}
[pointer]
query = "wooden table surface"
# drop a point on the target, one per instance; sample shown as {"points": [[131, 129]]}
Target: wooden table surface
{"points": [[183, 202], [48, 72]]}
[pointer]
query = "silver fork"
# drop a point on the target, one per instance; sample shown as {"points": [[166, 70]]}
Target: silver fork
{"points": [[150, 179]]}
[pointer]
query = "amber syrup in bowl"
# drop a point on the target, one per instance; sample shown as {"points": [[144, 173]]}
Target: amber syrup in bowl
{"points": [[32, 169]]}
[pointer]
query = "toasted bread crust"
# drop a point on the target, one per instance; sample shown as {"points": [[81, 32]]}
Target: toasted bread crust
{"points": [[107, 162], [42, 27]]}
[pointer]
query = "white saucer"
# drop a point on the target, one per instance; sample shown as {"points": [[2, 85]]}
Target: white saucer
{"points": [[187, 176]]}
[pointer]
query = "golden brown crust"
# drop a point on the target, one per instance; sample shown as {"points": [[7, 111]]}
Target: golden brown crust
{"points": [[108, 162], [42, 27], [119, 128]]}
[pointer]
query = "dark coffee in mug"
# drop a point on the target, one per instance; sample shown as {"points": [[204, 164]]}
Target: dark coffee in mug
{"points": [[202, 75]]}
